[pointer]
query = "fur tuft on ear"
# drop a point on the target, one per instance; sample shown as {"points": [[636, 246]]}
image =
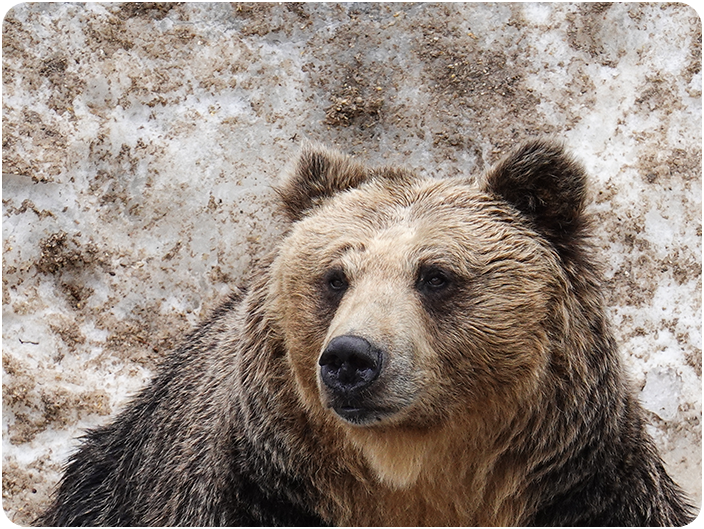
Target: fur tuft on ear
{"points": [[317, 173], [547, 186]]}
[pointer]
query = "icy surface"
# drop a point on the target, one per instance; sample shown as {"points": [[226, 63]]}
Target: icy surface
{"points": [[140, 142]]}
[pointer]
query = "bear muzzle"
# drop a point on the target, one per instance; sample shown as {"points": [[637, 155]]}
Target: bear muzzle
{"points": [[349, 366]]}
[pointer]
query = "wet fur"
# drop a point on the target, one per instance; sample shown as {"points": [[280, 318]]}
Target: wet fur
{"points": [[512, 405]]}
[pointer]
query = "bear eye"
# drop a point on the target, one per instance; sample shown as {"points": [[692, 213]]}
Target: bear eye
{"points": [[436, 280], [336, 281], [331, 288], [433, 280]]}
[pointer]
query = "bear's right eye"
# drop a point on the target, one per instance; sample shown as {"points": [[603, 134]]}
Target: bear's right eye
{"points": [[336, 281], [331, 288]]}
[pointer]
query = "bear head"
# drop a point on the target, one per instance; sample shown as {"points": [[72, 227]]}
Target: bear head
{"points": [[410, 304]]}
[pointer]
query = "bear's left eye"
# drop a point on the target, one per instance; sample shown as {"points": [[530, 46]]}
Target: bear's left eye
{"points": [[433, 280], [436, 281]]}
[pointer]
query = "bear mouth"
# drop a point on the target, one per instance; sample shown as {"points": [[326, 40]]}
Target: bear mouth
{"points": [[359, 416]]}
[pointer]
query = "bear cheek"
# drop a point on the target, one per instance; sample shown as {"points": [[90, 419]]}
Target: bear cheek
{"points": [[303, 327], [498, 356], [302, 359]]}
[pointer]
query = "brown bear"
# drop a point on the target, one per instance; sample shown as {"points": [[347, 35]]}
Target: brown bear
{"points": [[416, 351]]}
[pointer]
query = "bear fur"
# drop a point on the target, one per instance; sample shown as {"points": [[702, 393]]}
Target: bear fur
{"points": [[416, 351]]}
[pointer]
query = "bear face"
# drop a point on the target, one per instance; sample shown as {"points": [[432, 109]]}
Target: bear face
{"points": [[410, 303]]}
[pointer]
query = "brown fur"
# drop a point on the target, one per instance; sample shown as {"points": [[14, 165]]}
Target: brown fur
{"points": [[529, 323], [441, 448], [484, 387]]}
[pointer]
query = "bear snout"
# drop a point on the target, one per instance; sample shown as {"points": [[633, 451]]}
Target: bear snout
{"points": [[349, 364]]}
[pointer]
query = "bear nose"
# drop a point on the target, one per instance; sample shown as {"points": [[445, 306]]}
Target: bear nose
{"points": [[349, 364]]}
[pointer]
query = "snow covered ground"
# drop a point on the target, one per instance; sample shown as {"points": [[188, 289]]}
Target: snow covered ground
{"points": [[140, 142]]}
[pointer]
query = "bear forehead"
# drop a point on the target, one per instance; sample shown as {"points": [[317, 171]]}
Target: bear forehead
{"points": [[441, 221], [439, 205]]}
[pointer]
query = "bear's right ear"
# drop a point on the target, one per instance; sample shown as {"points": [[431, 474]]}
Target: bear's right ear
{"points": [[547, 187], [317, 173]]}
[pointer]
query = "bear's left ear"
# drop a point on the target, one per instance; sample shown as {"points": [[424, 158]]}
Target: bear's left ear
{"points": [[547, 186], [317, 173]]}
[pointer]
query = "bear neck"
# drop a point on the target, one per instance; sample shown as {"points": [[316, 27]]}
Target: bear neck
{"points": [[443, 476]]}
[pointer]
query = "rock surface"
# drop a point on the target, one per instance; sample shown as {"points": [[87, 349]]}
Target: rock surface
{"points": [[140, 142]]}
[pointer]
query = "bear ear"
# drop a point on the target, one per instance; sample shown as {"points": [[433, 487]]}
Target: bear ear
{"points": [[317, 173], [547, 186]]}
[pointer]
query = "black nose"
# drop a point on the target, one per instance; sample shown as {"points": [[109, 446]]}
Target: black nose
{"points": [[349, 364]]}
